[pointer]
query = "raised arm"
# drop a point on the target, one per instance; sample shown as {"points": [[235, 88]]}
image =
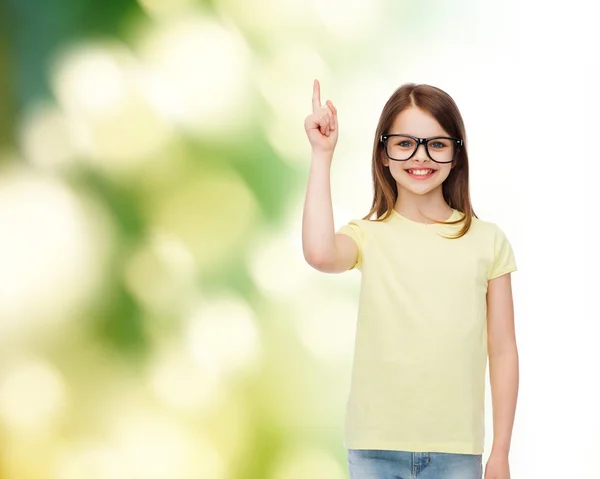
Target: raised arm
{"points": [[323, 249]]}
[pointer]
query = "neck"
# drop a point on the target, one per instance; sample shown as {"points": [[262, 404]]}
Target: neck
{"points": [[431, 204]]}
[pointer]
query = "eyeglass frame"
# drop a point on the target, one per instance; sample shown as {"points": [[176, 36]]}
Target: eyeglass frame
{"points": [[384, 137]]}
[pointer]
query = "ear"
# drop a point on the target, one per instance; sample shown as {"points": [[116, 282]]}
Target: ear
{"points": [[385, 160]]}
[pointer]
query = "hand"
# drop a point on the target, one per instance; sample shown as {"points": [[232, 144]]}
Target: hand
{"points": [[497, 466], [321, 126]]}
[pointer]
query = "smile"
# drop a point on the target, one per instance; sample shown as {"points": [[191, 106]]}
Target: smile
{"points": [[421, 173]]}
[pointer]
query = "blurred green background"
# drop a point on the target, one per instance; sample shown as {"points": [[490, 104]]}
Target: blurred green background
{"points": [[157, 319]]}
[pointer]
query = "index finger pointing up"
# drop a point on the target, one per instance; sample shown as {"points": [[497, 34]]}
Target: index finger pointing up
{"points": [[316, 98]]}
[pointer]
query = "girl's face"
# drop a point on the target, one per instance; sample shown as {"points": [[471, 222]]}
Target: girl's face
{"points": [[416, 122]]}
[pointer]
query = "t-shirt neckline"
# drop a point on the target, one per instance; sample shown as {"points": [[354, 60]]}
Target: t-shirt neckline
{"points": [[452, 217]]}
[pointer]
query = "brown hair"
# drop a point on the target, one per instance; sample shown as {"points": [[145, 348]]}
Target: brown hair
{"points": [[455, 188]]}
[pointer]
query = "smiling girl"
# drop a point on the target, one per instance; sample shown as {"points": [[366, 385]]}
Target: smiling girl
{"points": [[435, 299]]}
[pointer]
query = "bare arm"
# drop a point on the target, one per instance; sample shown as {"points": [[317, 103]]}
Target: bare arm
{"points": [[504, 360], [323, 249]]}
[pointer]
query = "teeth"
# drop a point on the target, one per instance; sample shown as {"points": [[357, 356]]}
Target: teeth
{"points": [[420, 172]]}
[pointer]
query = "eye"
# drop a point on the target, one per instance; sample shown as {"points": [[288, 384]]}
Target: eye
{"points": [[437, 144], [405, 143]]}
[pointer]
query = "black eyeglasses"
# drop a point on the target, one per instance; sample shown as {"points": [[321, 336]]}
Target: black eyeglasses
{"points": [[401, 147]]}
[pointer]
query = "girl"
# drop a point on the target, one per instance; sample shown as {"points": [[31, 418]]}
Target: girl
{"points": [[435, 297]]}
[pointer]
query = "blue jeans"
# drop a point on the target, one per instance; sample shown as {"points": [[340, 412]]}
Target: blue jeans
{"points": [[380, 464]]}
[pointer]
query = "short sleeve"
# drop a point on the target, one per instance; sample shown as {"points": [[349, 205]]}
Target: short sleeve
{"points": [[504, 257], [355, 232]]}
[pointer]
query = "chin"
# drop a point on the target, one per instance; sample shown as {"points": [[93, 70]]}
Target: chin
{"points": [[419, 191]]}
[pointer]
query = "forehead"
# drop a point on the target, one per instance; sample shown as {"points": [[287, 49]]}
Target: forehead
{"points": [[416, 122]]}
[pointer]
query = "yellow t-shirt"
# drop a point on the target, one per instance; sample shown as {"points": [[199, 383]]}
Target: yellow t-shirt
{"points": [[418, 374]]}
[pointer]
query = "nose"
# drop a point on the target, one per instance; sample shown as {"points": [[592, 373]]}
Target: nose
{"points": [[421, 153]]}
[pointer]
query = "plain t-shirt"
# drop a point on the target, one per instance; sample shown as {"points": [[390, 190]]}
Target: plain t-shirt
{"points": [[418, 373]]}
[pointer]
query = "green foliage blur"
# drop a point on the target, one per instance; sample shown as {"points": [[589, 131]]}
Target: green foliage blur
{"points": [[157, 319]]}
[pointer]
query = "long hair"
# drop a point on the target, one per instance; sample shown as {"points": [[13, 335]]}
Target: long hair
{"points": [[455, 187]]}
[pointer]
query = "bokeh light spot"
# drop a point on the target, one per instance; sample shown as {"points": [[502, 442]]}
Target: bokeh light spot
{"points": [[161, 274], [203, 66], [223, 336], [33, 397], [178, 381], [211, 214], [52, 251]]}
